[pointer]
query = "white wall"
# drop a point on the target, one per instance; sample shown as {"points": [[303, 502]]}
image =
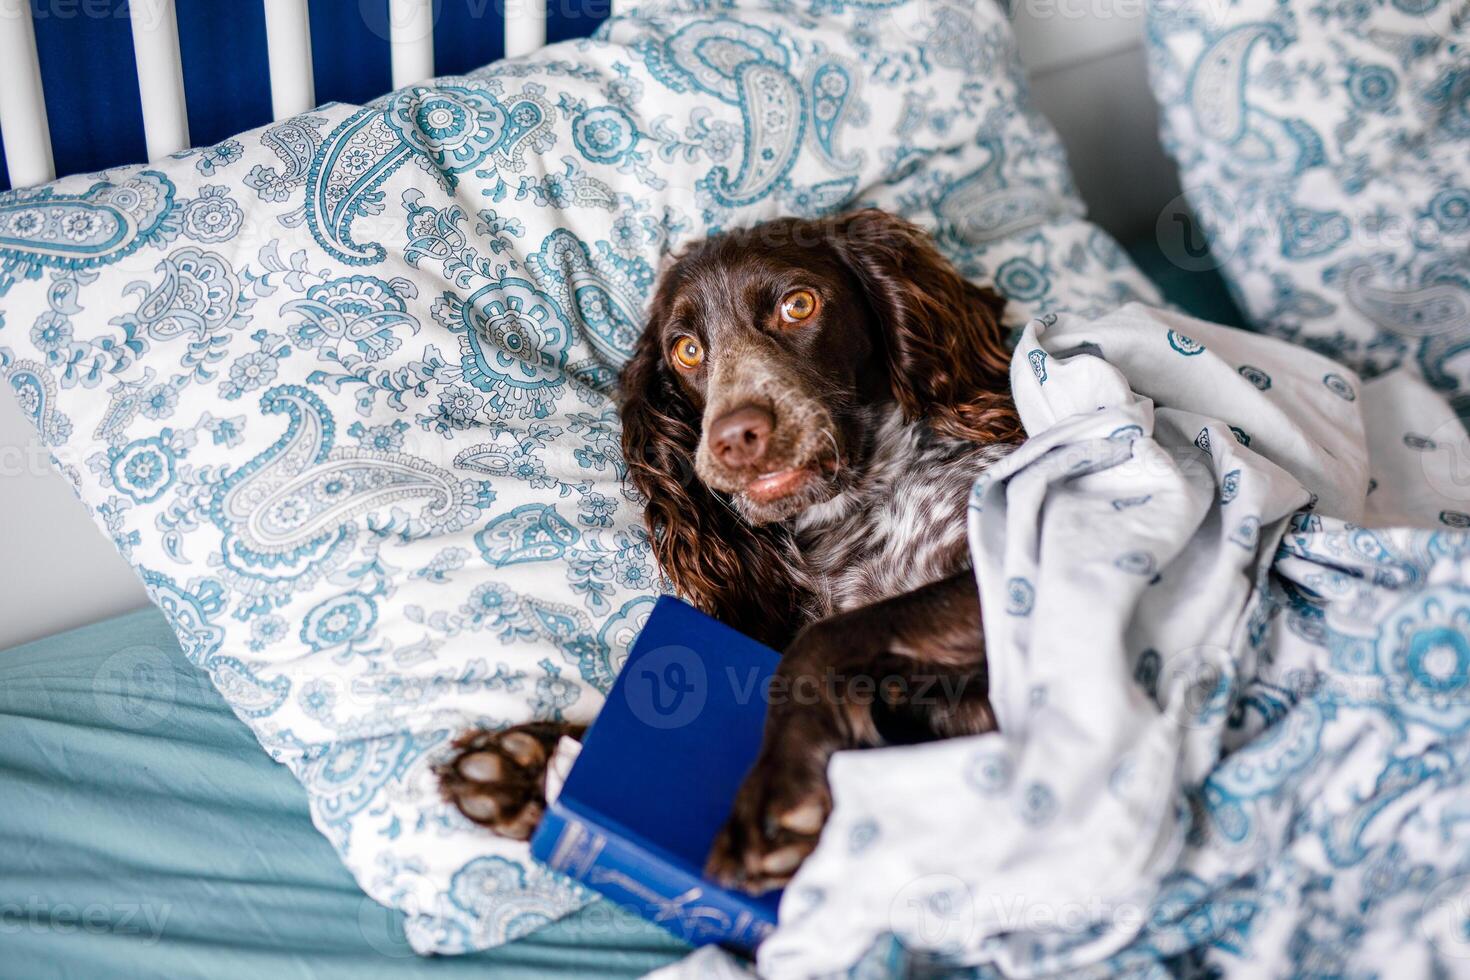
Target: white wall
{"points": [[57, 570], [1088, 75], [1085, 59]]}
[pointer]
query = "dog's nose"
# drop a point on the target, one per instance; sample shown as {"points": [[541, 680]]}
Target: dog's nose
{"points": [[739, 438]]}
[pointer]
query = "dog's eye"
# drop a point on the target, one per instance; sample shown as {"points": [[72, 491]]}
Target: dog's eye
{"points": [[687, 352], [798, 305]]}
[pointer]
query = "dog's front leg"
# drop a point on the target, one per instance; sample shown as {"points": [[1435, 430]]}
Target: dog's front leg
{"points": [[906, 668]]}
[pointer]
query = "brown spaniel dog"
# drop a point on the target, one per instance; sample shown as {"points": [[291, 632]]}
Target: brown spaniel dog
{"points": [[805, 413]]}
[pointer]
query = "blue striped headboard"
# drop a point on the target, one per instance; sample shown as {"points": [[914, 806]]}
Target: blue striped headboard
{"points": [[91, 82]]}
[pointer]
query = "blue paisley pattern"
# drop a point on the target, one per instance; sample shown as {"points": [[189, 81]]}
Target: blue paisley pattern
{"points": [[341, 388], [514, 342], [1325, 151], [1369, 653], [1280, 715], [45, 229]]}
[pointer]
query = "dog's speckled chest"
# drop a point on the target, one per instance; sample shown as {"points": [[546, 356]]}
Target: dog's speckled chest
{"points": [[901, 528]]}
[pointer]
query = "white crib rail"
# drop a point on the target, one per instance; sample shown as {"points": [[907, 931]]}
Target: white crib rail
{"points": [[155, 30], [22, 109], [288, 47], [411, 29], [525, 27], [160, 76]]}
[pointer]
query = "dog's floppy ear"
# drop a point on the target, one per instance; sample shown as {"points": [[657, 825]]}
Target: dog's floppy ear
{"points": [[732, 570], [947, 356]]}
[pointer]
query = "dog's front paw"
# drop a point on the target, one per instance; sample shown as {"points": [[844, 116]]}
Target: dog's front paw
{"points": [[498, 779], [775, 823]]}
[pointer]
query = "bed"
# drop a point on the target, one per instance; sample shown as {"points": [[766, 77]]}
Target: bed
{"points": [[143, 830]]}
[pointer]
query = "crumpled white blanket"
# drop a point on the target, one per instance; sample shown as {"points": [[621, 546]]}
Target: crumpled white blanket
{"points": [[1233, 718]]}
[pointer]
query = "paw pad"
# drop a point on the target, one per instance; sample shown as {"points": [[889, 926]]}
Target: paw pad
{"points": [[498, 779]]}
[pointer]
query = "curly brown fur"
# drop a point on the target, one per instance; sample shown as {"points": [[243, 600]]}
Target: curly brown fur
{"points": [[812, 476], [936, 351], [731, 569]]}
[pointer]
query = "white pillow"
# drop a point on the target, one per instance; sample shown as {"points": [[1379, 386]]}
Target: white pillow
{"points": [[340, 388], [1325, 149]]}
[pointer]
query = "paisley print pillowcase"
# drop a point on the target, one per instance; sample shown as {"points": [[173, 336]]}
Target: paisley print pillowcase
{"points": [[1325, 149], [340, 389]]}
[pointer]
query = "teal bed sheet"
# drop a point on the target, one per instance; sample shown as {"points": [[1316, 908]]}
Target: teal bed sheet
{"points": [[143, 833], [1198, 292]]}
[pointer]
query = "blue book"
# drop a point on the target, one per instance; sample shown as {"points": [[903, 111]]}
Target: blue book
{"points": [[657, 774]]}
